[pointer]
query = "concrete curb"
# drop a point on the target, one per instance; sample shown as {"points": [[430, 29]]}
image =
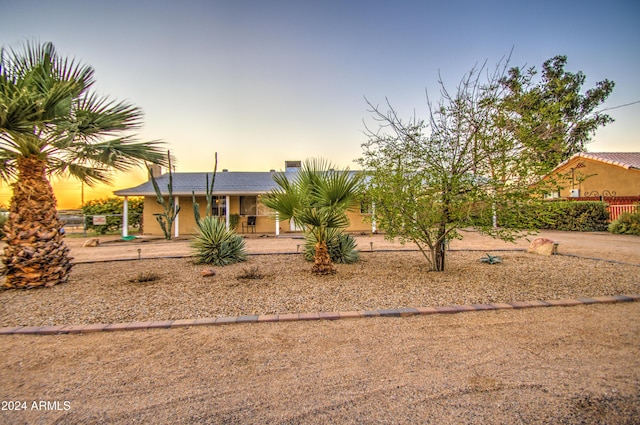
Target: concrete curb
{"points": [[292, 317]]}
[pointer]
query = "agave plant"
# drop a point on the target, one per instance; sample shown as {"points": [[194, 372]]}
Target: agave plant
{"points": [[215, 244], [491, 259]]}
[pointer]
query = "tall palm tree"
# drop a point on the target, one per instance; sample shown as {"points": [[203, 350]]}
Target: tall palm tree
{"points": [[51, 124], [316, 199]]}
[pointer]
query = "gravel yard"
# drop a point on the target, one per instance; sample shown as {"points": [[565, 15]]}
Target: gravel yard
{"points": [[105, 292], [575, 365]]}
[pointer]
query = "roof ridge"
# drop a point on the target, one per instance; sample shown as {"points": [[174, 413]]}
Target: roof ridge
{"points": [[619, 159]]}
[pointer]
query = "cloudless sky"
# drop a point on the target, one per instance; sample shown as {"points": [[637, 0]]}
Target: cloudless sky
{"points": [[261, 82]]}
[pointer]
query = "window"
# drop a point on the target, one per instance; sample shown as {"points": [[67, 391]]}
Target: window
{"points": [[248, 205], [219, 206]]}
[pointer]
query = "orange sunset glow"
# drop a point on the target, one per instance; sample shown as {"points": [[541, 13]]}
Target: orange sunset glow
{"points": [[69, 192]]}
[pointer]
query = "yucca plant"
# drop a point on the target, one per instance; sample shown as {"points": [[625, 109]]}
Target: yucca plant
{"points": [[215, 244], [341, 247]]}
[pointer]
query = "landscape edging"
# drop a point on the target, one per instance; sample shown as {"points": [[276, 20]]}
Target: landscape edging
{"points": [[289, 317]]}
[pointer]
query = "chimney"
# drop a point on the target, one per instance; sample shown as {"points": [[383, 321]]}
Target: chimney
{"points": [[156, 170], [292, 165]]}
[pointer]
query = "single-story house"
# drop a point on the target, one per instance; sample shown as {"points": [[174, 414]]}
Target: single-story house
{"points": [[235, 193], [596, 174], [613, 177]]}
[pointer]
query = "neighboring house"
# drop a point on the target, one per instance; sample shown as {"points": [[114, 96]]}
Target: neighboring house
{"points": [[234, 193], [613, 177]]}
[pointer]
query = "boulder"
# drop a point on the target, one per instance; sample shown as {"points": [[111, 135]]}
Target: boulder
{"points": [[208, 272], [91, 243], [543, 246]]}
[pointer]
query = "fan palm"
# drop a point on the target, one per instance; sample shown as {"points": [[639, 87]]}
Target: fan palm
{"points": [[317, 200], [51, 124]]}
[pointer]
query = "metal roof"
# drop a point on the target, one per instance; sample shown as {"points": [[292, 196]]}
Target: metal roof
{"points": [[227, 183]]}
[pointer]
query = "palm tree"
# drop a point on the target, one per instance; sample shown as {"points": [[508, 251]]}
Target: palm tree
{"points": [[51, 124], [316, 199]]}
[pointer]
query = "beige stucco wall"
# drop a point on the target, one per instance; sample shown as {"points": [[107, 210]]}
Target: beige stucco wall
{"points": [[265, 223], [359, 222], [596, 176]]}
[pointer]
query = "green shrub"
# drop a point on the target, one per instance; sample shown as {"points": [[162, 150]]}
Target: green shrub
{"points": [[112, 208], [627, 223], [581, 216], [214, 244], [342, 248]]}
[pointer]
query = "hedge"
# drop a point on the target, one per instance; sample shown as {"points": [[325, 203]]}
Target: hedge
{"points": [[580, 216], [627, 224]]}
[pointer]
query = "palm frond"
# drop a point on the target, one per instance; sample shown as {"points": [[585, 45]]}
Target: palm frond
{"points": [[88, 175], [98, 116], [286, 199], [338, 189], [7, 165], [120, 154], [47, 111]]}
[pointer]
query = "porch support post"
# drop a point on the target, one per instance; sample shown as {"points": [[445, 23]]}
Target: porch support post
{"points": [[176, 223], [277, 225], [125, 217], [374, 226], [227, 216]]}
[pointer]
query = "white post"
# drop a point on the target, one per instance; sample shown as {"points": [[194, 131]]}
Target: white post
{"points": [[125, 217], [374, 227], [176, 223], [494, 216], [226, 211], [277, 225]]}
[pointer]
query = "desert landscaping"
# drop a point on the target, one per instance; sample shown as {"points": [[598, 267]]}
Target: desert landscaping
{"points": [[537, 365]]}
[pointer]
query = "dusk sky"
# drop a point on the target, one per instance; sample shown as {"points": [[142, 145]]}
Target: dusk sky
{"points": [[261, 82]]}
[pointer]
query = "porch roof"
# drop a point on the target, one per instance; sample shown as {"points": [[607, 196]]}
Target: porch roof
{"points": [[227, 183]]}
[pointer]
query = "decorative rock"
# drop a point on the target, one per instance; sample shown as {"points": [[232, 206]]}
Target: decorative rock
{"points": [[91, 243], [543, 246], [208, 272]]}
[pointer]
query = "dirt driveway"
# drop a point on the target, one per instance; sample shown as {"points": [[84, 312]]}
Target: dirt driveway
{"points": [[575, 365]]}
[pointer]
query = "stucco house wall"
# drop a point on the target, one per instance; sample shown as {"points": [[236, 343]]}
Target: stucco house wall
{"points": [[599, 174], [265, 223]]}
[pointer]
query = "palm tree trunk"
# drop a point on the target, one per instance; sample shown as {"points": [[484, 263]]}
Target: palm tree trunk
{"points": [[322, 263], [35, 254]]}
